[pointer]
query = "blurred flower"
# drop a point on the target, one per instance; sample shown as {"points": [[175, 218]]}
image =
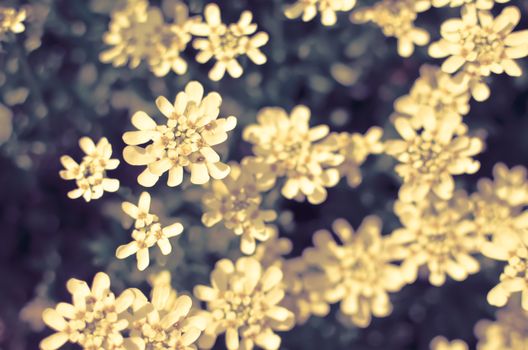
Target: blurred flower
{"points": [[302, 302], [438, 234], [166, 321], [328, 8], [31, 313], [242, 303], [430, 154], [478, 45], [236, 201], [90, 174], [508, 332], [441, 343], [6, 123], [147, 232], [355, 271], [514, 278], [11, 21], [498, 208], [396, 19], [285, 146], [225, 43], [434, 95], [355, 148], [95, 320], [138, 32], [185, 140], [480, 4]]}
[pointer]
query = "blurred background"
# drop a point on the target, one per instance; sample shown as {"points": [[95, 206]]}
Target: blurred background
{"points": [[54, 90]]}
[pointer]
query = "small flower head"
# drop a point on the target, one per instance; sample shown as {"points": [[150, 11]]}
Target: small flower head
{"points": [[434, 95], [90, 174], [95, 319], [396, 19], [243, 302], [184, 140], [441, 343], [431, 154], [11, 21], [165, 322], [355, 148], [355, 271], [308, 9], [508, 332], [147, 232], [478, 45], [436, 234], [138, 32], [225, 43], [236, 201], [289, 148]]}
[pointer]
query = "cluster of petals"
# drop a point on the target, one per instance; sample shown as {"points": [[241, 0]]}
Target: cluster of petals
{"points": [[480, 4], [138, 32], [95, 319], [225, 43], [441, 343], [438, 235], [243, 302], [355, 271], [11, 21], [477, 44], [308, 9], [430, 154], [90, 173], [396, 19], [236, 201], [147, 232], [289, 148], [184, 140]]}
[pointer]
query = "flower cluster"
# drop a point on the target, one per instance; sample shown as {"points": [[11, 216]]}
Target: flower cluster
{"points": [[433, 96], [236, 201], [441, 343], [356, 271], [478, 45], [307, 9], [138, 32], [243, 302], [186, 139], [396, 19], [90, 174], [225, 43], [147, 232], [480, 4], [95, 320], [438, 234], [430, 153], [286, 146]]}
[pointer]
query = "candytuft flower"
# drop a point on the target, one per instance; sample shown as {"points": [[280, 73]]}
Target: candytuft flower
{"points": [[95, 320], [478, 45], [225, 43], [184, 140], [437, 234], [308, 9], [90, 174], [243, 303], [147, 232], [354, 271], [165, 322], [434, 95], [430, 154], [288, 147], [396, 19], [236, 201], [479, 4]]}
